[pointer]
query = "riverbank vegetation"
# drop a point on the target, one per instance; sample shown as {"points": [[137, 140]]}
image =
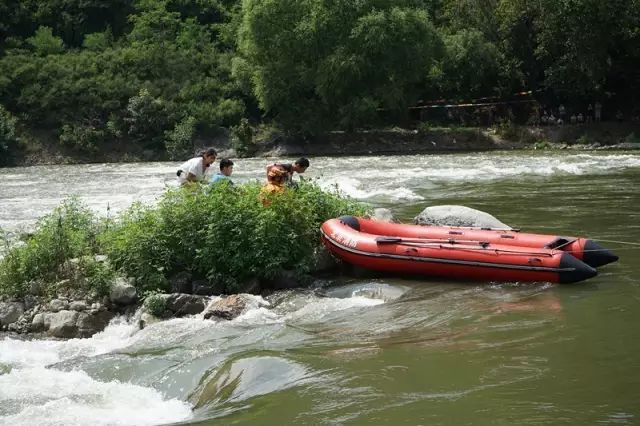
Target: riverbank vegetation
{"points": [[158, 75], [222, 236]]}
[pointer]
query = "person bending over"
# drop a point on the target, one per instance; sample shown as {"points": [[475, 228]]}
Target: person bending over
{"points": [[299, 166], [193, 170]]}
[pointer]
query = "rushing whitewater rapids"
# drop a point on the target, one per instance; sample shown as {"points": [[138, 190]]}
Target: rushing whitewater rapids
{"points": [[362, 350], [109, 188], [59, 382]]}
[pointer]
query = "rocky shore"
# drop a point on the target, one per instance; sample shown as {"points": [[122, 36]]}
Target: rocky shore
{"points": [[70, 314], [78, 316]]}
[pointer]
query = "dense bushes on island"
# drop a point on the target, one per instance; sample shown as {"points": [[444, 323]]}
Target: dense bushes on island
{"points": [[222, 236]]}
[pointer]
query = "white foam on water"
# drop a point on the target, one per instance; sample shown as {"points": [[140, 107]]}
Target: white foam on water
{"points": [[259, 315], [322, 307], [462, 168], [371, 290], [34, 393], [31, 394], [52, 397], [312, 308], [29, 353], [354, 188], [401, 176]]}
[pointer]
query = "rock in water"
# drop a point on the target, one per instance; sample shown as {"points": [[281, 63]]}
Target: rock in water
{"points": [[227, 308], [90, 324], [458, 216], [185, 304]]}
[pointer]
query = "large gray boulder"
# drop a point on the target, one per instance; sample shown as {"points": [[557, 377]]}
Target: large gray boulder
{"points": [[57, 305], [452, 215], [37, 324], [122, 292], [78, 305], [61, 324], [10, 312], [89, 324], [185, 304]]}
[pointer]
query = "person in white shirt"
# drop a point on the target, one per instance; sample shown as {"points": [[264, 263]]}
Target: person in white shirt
{"points": [[193, 170]]}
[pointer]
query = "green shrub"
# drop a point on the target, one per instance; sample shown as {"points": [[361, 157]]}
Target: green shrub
{"points": [[12, 282], [223, 234], [98, 42], [147, 118], [179, 141], [155, 304], [45, 43], [82, 137], [98, 275], [242, 138], [66, 233], [542, 145], [133, 244], [424, 127]]}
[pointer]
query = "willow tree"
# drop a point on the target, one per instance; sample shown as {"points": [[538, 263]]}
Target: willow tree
{"points": [[322, 64]]}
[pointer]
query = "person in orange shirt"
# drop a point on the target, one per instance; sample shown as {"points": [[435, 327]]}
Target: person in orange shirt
{"points": [[276, 180]]}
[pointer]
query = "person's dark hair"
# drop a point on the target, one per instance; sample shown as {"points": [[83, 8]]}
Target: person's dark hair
{"points": [[303, 162], [225, 162], [208, 152]]}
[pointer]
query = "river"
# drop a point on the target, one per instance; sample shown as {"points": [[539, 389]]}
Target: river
{"points": [[363, 351]]}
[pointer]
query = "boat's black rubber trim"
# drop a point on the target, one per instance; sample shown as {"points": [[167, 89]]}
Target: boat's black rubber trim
{"points": [[595, 255], [575, 269]]}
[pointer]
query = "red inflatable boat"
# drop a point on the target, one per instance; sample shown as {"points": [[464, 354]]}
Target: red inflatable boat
{"points": [[464, 253]]}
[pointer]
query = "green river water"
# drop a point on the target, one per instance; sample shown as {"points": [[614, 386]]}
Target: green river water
{"points": [[365, 350]]}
